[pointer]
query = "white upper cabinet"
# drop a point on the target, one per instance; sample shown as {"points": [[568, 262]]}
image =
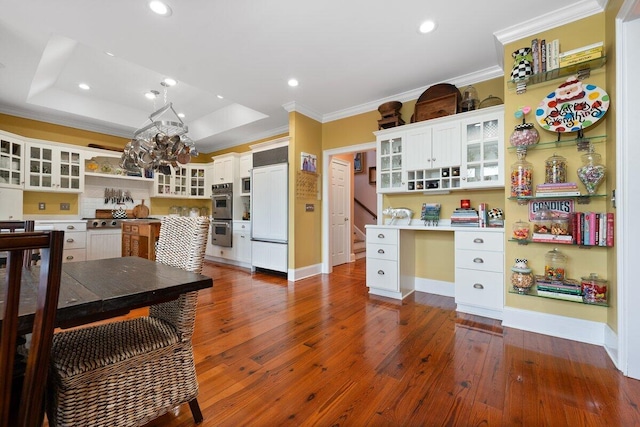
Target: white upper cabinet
{"points": [[184, 181], [54, 168], [246, 163], [11, 161], [483, 150], [224, 169]]}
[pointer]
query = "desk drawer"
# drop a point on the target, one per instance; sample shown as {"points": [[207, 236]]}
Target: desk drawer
{"points": [[382, 235], [74, 255], [378, 251], [480, 260], [382, 274], [485, 241], [479, 288]]}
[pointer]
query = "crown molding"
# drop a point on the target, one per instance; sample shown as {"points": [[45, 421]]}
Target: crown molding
{"points": [[464, 80], [299, 108]]}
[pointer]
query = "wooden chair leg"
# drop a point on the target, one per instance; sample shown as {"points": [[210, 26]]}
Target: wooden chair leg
{"points": [[195, 411]]}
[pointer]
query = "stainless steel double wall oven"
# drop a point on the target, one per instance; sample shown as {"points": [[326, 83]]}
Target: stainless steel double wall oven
{"points": [[222, 214]]}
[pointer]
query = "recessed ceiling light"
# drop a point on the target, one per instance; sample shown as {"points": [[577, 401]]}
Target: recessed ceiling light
{"points": [[427, 27], [109, 54], [160, 8], [181, 115], [84, 86], [152, 94], [293, 82], [220, 97], [170, 82]]}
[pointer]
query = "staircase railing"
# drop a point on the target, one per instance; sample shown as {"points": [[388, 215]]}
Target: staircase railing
{"points": [[369, 211]]}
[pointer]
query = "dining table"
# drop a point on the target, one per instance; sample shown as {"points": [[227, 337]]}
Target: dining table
{"points": [[101, 289]]}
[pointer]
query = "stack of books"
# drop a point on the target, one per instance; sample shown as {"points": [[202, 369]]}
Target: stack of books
{"points": [[560, 189], [565, 239], [464, 218], [593, 228], [581, 54], [546, 56], [567, 290]]}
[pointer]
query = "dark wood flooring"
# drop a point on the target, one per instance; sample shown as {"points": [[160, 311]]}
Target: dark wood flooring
{"points": [[323, 352]]}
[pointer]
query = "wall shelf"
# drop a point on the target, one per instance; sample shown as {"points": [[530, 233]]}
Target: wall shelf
{"points": [[533, 292], [579, 142], [582, 70]]}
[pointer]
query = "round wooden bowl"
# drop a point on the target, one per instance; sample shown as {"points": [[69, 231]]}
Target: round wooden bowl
{"points": [[390, 107]]}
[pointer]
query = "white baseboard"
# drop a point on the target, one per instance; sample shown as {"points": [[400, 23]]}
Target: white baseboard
{"points": [[437, 287], [568, 328], [304, 272], [611, 345], [227, 261]]}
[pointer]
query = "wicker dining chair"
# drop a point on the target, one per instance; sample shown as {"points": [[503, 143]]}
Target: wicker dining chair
{"points": [[129, 372]]}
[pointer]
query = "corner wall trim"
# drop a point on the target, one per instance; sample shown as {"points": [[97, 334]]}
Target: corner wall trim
{"points": [[304, 272]]}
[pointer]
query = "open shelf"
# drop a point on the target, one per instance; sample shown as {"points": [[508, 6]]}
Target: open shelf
{"points": [[583, 69], [579, 142], [533, 292]]}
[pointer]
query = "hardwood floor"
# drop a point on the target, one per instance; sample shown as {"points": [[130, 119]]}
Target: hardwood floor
{"points": [[322, 352]]}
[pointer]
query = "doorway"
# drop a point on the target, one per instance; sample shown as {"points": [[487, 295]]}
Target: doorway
{"points": [[327, 241], [340, 202]]}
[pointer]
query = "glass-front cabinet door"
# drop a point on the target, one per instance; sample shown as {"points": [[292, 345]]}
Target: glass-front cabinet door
{"points": [[11, 162], [40, 167], [70, 176], [54, 168], [180, 181], [197, 184], [390, 163], [482, 151]]}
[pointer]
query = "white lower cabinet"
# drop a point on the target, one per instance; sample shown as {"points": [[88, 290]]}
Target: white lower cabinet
{"points": [[11, 205], [270, 255], [105, 243], [479, 275], [240, 251], [75, 238], [390, 262]]}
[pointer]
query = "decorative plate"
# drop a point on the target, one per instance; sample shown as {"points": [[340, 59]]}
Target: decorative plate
{"points": [[572, 107]]}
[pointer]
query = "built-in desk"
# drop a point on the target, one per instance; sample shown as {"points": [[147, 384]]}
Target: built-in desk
{"points": [[479, 265]]}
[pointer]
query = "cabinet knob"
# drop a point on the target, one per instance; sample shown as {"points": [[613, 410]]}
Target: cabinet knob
{"points": [[380, 251], [478, 240], [380, 272], [70, 257], [380, 236], [70, 227], [478, 260], [70, 240], [478, 286]]}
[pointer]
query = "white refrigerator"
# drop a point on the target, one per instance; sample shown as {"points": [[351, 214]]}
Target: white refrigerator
{"points": [[269, 217]]}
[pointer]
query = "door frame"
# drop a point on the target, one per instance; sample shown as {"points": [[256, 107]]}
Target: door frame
{"points": [[348, 230], [326, 222]]}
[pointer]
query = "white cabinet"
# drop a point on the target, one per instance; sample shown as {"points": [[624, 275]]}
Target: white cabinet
{"points": [[225, 168], [482, 150], [390, 262], [390, 161], [54, 168], [270, 256], [11, 161], [104, 243], [242, 241], [75, 238], [11, 205], [246, 163], [192, 181], [479, 272]]}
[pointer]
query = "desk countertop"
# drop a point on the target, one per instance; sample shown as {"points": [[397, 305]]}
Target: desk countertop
{"points": [[418, 225]]}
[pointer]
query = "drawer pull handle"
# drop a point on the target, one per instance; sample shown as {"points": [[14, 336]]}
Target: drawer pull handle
{"points": [[478, 260], [380, 272], [380, 251], [380, 236], [478, 240], [70, 227], [478, 286], [70, 257], [70, 240]]}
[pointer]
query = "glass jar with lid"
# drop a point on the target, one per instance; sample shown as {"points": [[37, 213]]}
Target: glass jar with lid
{"points": [[594, 289], [592, 172], [520, 230], [542, 221], [521, 176], [555, 170], [560, 225], [523, 135], [555, 265], [174, 210], [521, 276]]}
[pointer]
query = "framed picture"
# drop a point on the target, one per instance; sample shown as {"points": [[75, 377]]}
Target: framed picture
{"points": [[372, 174], [358, 162]]}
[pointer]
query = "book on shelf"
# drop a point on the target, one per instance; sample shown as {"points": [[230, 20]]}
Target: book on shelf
{"points": [[535, 54], [557, 193], [557, 186], [552, 238], [579, 59], [543, 56], [595, 47], [609, 235], [560, 295], [554, 52]]}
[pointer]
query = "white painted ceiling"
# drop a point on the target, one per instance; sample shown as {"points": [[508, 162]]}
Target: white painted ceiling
{"points": [[349, 56]]}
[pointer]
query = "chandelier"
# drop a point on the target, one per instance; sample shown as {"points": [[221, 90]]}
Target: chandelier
{"points": [[160, 144]]}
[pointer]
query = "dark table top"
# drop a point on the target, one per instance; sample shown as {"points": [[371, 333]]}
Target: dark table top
{"points": [[100, 289]]}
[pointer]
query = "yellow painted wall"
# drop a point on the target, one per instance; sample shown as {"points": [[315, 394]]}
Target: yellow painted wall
{"points": [[581, 261], [306, 229], [242, 148], [31, 200]]}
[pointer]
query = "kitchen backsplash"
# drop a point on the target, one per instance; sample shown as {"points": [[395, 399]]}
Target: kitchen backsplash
{"points": [[94, 192]]}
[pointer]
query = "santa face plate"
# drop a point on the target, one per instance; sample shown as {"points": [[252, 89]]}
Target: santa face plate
{"points": [[573, 106]]}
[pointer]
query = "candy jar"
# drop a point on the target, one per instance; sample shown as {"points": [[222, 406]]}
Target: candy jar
{"points": [[523, 134], [560, 225], [592, 172], [521, 276], [542, 221], [520, 230], [521, 176], [555, 170], [555, 265], [594, 290]]}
